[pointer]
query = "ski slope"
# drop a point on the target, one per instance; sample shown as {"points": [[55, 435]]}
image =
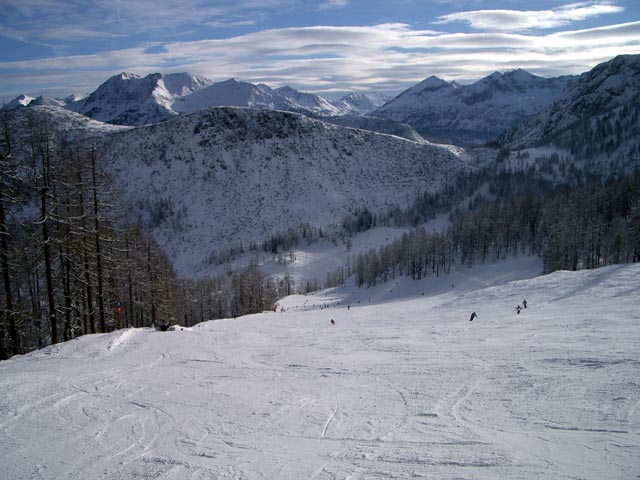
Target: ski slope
{"points": [[402, 386]]}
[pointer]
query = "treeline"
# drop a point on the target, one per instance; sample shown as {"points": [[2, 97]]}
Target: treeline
{"points": [[580, 227], [72, 262]]}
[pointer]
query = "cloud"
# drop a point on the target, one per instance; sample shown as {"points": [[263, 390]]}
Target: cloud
{"points": [[332, 4], [516, 20], [43, 20], [385, 57]]}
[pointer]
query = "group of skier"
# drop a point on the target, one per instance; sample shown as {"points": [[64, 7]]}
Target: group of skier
{"points": [[518, 309]]}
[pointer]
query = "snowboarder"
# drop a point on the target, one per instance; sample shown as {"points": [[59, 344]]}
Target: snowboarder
{"points": [[518, 308], [473, 315], [524, 303]]}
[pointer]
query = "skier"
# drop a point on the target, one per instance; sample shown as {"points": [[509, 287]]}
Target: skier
{"points": [[524, 303], [518, 308], [473, 315], [333, 322]]}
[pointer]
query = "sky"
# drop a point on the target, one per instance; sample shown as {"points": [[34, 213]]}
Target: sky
{"points": [[56, 48]]}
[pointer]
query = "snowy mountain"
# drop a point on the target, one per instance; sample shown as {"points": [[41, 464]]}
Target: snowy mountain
{"points": [[307, 102], [18, 102], [47, 101], [473, 113], [129, 99], [360, 103], [229, 175], [222, 176], [402, 386], [597, 116], [233, 93]]}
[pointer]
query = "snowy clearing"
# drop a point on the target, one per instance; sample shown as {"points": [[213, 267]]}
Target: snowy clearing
{"points": [[402, 386]]}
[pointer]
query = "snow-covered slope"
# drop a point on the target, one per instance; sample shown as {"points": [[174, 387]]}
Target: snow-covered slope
{"points": [[598, 116], [376, 124], [18, 102], [307, 102], [233, 93], [360, 103], [129, 99], [228, 175], [70, 124], [473, 113], [406, 388], [47, 101]]}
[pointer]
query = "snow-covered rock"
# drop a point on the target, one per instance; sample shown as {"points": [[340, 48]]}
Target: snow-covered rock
{"points": [[18, 102]]}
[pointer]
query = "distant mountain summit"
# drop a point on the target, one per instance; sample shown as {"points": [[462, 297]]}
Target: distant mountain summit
{"points": [[360, 103], [18, 102], [598, 115], [473, 113], [234, 93], [129, 99]]}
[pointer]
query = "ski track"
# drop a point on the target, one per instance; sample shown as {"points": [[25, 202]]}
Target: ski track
{"points": [[398, 390]]}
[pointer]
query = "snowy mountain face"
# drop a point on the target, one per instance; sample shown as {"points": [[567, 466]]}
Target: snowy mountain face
{"points": [[360, 103], [473, 113], [307, 102], [18, 102], [228, 175], [47, 101], [129, 99], [597, 116], [233, 93]]}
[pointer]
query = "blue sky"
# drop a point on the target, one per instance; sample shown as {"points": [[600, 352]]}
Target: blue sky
{"points": [[328, 46]]}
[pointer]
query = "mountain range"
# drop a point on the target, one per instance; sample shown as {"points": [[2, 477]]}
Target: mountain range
{"points": [[473, 113], [129, 99], [443, 111]]}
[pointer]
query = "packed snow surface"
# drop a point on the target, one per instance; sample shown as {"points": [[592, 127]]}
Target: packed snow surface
{"points": [[403, 385]]}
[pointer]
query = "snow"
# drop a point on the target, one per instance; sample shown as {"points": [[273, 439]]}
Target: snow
{"points": [[276, 170], [476, 112], [18, 102], [404, 386]]}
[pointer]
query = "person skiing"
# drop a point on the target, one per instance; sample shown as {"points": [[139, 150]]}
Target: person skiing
{"points": [[518, 308], [524, 303], [333, 322], [473, 315]]}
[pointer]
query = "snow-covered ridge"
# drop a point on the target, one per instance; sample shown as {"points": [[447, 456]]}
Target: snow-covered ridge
{"points": [[228, 175], [597, 116], [473, 113], [129, 99]]}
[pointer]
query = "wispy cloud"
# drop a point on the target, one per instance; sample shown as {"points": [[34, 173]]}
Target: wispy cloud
{"points": [[517, 20], [380, 57], [387, 56], [47, 19], [332, 4]]}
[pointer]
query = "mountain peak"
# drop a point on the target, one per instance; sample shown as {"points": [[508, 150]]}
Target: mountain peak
{"points": [[432, 83], [18, 102], [127, 76]]}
